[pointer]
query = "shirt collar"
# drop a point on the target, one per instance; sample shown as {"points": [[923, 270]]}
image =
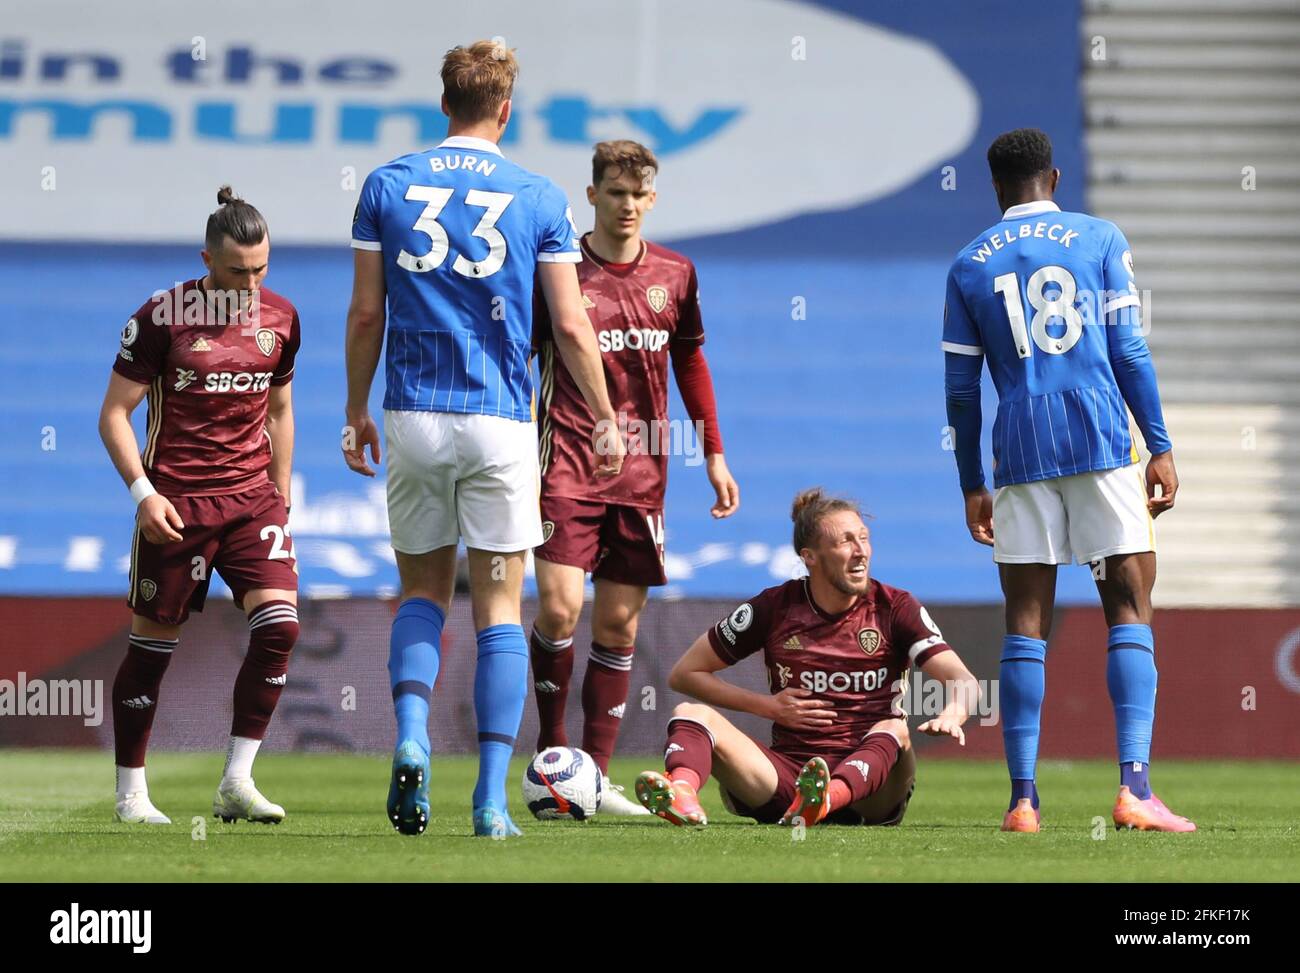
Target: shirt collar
{"points": [[469, 142], [869, 599], [1031, 209]]}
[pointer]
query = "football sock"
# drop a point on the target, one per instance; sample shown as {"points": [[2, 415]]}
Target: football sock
{"points": [[272, 631], [552, 661], [689, 753], [500, 687], [1131, 678], [686, 776], [1020, 789], [864, 770], [135, 698], [1022, 675], [604, 699], [239, 758], [413, 656], [130, 780], [1134, 777], [838, 794]]}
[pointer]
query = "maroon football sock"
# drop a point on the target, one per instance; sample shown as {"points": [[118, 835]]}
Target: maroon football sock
{"points": [[135, 696], [552, 661], [272, 630], [865, 769], [604, 700], [689, 751]]}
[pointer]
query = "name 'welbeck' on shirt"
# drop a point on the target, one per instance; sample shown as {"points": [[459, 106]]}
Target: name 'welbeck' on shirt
{"points": [[1041, 229]]}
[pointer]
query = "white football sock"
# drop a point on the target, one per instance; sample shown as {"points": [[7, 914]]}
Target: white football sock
{"points": [[130, 780], [239, 758]]}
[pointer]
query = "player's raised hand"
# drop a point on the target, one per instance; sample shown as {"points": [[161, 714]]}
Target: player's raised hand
{"points": [[158, 520], [724, 486], [608, 447], [944, 726], [359, 433], [1161, 472], [794, 708], [979, 515]]}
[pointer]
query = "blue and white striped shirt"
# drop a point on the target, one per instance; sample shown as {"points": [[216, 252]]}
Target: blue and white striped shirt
{"points": [[1050, 300], [461, 229]]}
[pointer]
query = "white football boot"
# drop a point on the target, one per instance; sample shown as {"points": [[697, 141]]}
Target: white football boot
{"points": [[240, 799], [613, 802], [136, 808]]}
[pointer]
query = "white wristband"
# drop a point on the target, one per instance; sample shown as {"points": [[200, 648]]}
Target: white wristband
{"points": [[142, 488]]}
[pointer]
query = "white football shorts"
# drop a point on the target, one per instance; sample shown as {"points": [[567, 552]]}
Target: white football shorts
{"points": [[1084, 518], [469, 477]]}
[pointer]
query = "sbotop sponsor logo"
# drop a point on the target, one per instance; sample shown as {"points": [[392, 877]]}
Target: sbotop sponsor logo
{"points": [[76, 926], [633, 339], [82, 698]]}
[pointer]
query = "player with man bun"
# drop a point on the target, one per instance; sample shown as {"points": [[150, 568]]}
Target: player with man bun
{"points": [[837, 646], [215, 358]]}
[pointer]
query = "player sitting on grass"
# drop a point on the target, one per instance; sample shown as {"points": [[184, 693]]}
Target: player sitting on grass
{"points": [[215, 357], [837, 646]]}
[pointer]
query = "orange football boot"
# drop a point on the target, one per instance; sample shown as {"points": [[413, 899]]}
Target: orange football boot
{"points": [[811, 798], [1023, 817], [673, 800], [1148, 815]]}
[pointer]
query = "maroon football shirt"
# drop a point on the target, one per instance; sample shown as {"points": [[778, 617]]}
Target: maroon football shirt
{"points": [[637, 311], [856, 661], [208, 381]]}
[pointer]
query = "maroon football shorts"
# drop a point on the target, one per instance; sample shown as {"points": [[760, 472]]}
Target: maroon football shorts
{"points": [[244, 536], [886, 807], [623, 544]]}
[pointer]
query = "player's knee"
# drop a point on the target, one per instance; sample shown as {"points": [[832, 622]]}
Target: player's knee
{"points": [[615, 631], [273, 630], [151, 629], [556, 618], [1126, 600], [694, 711], [897, 728]]}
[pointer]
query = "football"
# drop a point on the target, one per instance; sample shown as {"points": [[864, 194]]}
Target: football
{"points": [[562, 782]]}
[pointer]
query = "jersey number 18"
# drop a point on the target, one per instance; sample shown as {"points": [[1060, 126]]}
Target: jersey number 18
{"points": [[1045, 308]]}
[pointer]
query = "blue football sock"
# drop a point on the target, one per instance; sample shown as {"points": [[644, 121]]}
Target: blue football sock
{"points": [[1021, 789], [413, 666], [1131, 679], [1134, 777], [1023, 680], [500, 686]]}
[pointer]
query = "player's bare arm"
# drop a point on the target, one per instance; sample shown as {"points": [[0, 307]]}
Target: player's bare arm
{"points": [[157, 518], [695, 675], [279, 426], [576, 343], [363, 344], [963, 696]]}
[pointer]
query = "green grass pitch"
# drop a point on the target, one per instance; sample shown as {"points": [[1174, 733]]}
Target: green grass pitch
{"points": [[56, 825]]}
